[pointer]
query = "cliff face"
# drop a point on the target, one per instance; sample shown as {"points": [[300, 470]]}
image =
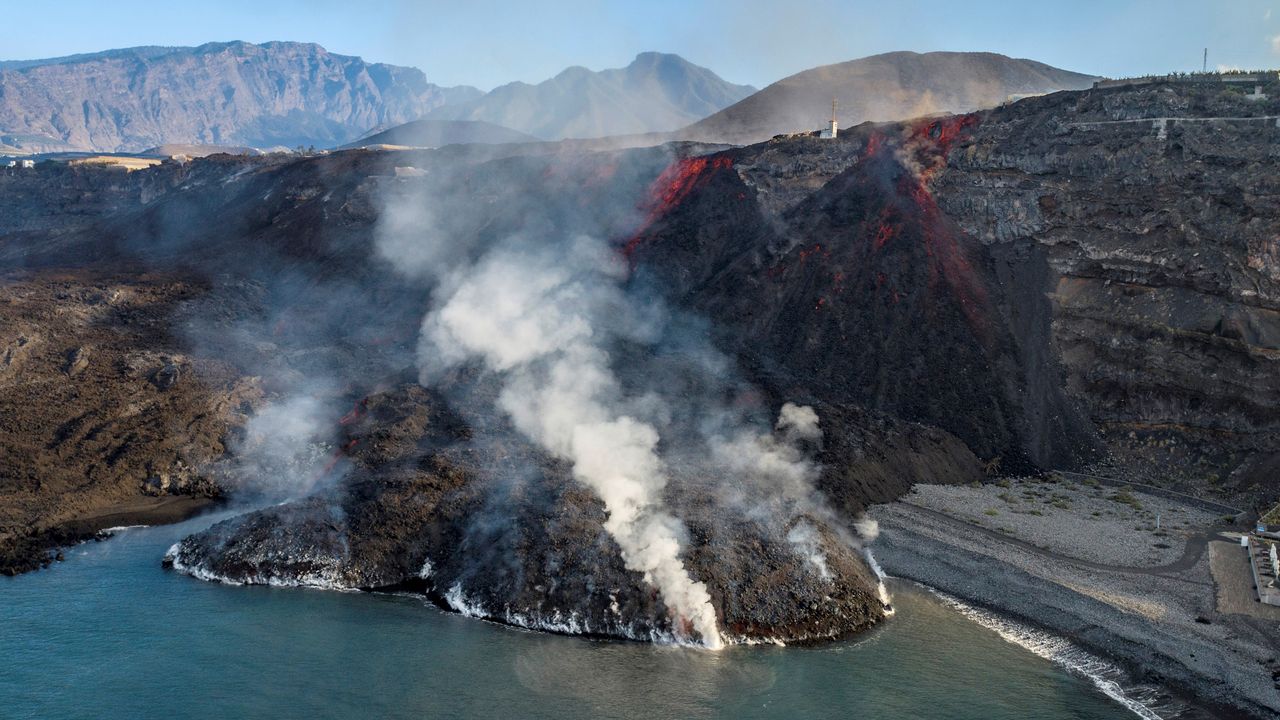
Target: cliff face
{"points": [[1069, 280], [830, 266], [1160, 242], [221, 94], [999, 292]]}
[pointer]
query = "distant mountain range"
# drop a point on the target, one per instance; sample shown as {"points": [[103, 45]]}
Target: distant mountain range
{"points": [[657, 92], [892, 86], [288, 94], [235, 93], [438, 133]]}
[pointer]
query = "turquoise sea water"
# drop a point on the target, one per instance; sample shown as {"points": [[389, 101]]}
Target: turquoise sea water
{"points": [[111, 634]]}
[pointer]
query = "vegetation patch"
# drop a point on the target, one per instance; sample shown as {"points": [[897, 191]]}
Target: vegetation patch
{"points": [[1125, 497]]}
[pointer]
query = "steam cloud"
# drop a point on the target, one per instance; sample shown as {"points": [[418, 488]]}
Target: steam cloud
{"points": [[286, 446], [530, 315], [546, 313]]}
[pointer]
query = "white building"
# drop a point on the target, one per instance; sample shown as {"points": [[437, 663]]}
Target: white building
{"points": [[27, 163], [832, 129]]}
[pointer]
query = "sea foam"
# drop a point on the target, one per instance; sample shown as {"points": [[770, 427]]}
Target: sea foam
{"points": [[1143, 701]]}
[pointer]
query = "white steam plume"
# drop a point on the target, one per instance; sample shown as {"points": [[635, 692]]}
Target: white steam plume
{"points": [[543, 312], [806, 540], [799, 423], [535, 316], [868, 529], [287, 447]]}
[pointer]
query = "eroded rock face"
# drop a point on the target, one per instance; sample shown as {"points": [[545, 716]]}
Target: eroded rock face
{"points": [[1159, 238], [863, 289]]}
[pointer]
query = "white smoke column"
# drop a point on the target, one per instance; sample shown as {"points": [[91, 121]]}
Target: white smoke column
{"points": [[537, 317], [797, 423], [868, 529], [882, 589], [780, 479], [287, 446], [806, 540]]}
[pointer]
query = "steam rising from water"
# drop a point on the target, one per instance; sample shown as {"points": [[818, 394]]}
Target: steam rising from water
{"points": [[529, 314]]}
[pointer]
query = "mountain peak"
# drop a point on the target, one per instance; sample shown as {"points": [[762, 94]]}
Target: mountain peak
{"points": [[656, 92], [651, 56]]}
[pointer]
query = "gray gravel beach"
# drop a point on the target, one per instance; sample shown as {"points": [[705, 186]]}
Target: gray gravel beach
{"points": [[1097, 579]]}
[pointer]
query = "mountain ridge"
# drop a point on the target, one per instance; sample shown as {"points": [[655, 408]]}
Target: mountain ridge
{"points": [[424, 132], [656, 92], [223, 93], [886, 87]]}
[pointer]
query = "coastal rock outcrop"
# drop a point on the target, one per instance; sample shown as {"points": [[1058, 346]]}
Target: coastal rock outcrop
{"points": [[501, 531]]}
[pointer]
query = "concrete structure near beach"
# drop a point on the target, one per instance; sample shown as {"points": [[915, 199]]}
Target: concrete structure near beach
{"points": [[1265, 563]]}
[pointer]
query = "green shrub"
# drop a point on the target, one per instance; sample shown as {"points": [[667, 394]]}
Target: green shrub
{"points": [[1124, 497]]}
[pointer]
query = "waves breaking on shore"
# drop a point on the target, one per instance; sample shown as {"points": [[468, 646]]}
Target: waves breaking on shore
{"points": [[316, 580], [1145, 701]]}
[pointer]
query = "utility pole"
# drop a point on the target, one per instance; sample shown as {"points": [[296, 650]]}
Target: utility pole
{"points": [[1205, 67]]}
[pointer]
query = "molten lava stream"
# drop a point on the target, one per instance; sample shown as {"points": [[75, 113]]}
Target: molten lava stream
{"points": [[359, 410], [671, 187]]}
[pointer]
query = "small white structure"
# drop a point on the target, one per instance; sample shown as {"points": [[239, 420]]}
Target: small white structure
{"points": [[1257, 94], [832, 128], [11, 163], [27, 163]]}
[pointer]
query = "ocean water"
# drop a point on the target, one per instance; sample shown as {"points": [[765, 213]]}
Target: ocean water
{"points": [[111, 634]]}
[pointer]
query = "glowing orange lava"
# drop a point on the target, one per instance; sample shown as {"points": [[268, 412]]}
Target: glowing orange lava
{"points": [[671, 187]]}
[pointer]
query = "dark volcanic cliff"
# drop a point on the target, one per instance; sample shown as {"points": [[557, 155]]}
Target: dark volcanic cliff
{"points": [[1035, 286], [1153, 212]]}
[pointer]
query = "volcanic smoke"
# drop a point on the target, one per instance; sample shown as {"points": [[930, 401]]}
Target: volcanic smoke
{"points": [[541, 312], [530, 315]]}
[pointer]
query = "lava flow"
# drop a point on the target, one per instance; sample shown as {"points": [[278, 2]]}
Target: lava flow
{"points": [[358, 411], [931, 141], [671, 187], [905, 170]]}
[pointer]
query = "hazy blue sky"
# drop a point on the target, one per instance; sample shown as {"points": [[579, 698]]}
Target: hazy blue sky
{"points": [[486, 43]]}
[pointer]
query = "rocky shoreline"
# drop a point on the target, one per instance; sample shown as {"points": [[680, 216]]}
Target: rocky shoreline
{"points": [[1163, 629], [39, 549]]}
